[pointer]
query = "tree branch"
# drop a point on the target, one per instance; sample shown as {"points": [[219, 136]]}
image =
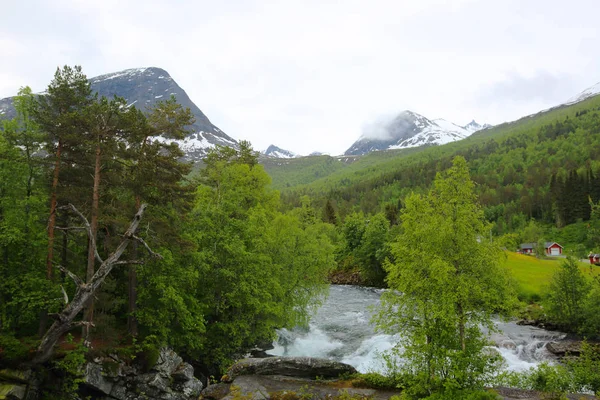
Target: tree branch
{"points": [[152, 253], [88, 228], [78, 282], [66, 297], [134, 262], [70, 228]]}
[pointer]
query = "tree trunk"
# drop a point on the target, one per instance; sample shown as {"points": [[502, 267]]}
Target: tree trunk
{"points": [[52, 220], [91, 259], [51, 226], [85, 291]]}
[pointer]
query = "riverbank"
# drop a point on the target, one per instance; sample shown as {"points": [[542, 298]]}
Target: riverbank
{"points": [[311, 378]]}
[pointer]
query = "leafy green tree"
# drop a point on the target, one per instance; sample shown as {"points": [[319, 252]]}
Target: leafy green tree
{"points": [[24, 291], [373, 250], [567, 292], [259, 270], [447, 283]]}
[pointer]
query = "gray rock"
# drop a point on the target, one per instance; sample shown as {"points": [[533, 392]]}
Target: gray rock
{"points": [[169, 379], [307, 367], [12, 391], [565, 347], [248, 387], [94, 376], [168, 362], [184, 373], [216, 392]]}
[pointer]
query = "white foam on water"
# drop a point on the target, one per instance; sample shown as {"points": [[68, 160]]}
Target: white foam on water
{"points": [[341, 330], [367, 358], [315, 344]]}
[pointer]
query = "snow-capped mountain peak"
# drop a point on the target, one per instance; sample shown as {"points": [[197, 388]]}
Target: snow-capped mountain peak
{"points": [[276, 152], [474, 126], [586, 94], [143, 88], [409, 129]]}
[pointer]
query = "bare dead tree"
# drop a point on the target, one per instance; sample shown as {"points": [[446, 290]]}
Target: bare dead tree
{"points": [[64, 321]]}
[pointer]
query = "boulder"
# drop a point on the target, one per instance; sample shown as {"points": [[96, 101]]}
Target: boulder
{"points": [[168, 362], [247, 387], [215, 392], [305, 367], [95, 376], [564, 348], [170, 379], [12, 391]]}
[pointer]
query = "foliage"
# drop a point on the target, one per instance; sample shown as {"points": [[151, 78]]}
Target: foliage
{"points": [[70, 367], [586, 369], [375, 381], [567, 292], [365, 245], [553, 379], [447, 281], [12, 350], [260, 269]]}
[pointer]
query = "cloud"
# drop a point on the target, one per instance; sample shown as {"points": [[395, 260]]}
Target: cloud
{"points": [[542, 86], [314, 75], [378, 128]]}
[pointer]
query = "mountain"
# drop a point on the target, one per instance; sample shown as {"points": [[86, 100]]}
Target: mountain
{"points": [[144, 87], [586, 94], [410, 129], [274, 151], [474, 126]]}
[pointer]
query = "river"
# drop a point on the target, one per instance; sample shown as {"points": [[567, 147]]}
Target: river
{"points": [[342, 330]]}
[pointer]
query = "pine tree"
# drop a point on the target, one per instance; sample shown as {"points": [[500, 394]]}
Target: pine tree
{"points": [[59, 114]]}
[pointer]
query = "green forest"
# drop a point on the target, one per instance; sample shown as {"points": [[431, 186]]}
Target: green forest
{"points": [[110, 243], [212, 269]]}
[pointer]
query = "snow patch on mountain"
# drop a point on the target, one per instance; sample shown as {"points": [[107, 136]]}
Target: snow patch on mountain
{"points": [[276, 152], [128, 73], [586, 94], [409, 129]]}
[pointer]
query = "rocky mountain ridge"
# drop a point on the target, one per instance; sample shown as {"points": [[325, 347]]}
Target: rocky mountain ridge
{"points": [[277, 152], [409, 129], [144, 87]]}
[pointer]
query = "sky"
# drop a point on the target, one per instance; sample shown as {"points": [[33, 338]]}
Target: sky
{"points": [[313, 75]]}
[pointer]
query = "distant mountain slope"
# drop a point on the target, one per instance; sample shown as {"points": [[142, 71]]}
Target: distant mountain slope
{"points": [[410, 129], [277, 152], [512, 164], [144, 87], [586, 94]]}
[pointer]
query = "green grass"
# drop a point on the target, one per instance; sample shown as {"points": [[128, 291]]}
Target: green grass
{"points": [[533, 275]]}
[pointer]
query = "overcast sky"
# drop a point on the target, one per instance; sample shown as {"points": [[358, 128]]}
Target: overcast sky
{"points": [[311, 75]]}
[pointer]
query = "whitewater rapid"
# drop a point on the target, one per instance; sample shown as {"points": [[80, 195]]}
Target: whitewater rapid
{"points": [[342, 330]]}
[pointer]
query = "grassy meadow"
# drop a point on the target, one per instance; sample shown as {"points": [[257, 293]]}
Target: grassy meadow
{"points": [[533, 275]]}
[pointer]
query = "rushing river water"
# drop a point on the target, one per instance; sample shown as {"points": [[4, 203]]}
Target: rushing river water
{"points": [[342, 330]]}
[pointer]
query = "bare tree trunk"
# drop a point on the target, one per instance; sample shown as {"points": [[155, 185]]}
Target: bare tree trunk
{"points": [[64, 321]]}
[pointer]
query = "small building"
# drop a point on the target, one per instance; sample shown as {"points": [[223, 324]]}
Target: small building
{"points": [[553, 249], [550, 248], [594, 259], [528, 248]]}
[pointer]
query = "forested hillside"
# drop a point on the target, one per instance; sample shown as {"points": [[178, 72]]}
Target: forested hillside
{"points": [[543, 166]]}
